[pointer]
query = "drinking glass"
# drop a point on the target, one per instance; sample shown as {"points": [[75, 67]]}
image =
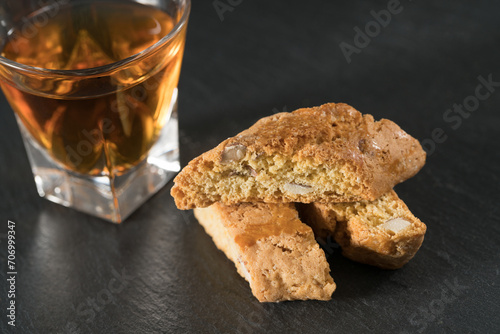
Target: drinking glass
{"points": [[93, 85]]}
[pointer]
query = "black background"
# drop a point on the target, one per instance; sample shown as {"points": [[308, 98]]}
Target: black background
{"points": [[268, 56]]}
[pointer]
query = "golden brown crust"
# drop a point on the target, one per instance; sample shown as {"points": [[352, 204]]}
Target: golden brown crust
{"points": [[383, 233], [364, 159], [271, 248]]}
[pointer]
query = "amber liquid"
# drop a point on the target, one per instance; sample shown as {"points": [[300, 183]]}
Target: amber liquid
{"points": [[99, 124]]}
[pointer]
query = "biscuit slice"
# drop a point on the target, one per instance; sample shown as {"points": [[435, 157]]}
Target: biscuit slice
{"points": [[382, 233], [330, 153], [271, 248]]}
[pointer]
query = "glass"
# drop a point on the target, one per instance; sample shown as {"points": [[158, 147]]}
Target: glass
{"points": [[93, 85]]}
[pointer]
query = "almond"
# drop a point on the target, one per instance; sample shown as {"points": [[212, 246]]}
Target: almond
{"points": [[297, 189], [396, 225], [233, 153]]}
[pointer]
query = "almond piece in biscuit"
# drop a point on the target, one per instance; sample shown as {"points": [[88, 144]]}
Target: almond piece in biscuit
{"points": [[271, 248], [382, 233], [330, 153]]}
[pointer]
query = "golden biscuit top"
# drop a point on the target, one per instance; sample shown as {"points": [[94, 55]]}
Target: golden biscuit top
{"points": [[330, 132], [333, 130]]}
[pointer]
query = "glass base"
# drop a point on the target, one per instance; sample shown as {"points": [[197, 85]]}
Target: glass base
{"points": [[113, 199]]}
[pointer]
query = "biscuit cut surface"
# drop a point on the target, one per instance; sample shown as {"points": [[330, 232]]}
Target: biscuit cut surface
{"points": [[330, 153], [271, 248], [382, 233]]}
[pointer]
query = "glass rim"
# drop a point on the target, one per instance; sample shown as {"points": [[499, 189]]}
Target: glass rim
{"points": [[109, 67]]}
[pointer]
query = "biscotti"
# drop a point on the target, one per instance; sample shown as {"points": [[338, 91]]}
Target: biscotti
{"points": [[383, 233], [271, 248], [330, 153]]}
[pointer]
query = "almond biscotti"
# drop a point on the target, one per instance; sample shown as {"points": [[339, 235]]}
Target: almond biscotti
{"points": [[330, 153], [271, 248], [383, 233]]}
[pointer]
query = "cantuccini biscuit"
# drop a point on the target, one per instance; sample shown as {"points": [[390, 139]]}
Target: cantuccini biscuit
{"points": [[271, 248], [330, 153], [383, 233]]}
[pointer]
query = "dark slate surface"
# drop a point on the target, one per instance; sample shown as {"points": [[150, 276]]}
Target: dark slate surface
{"points": [[268, 56]]}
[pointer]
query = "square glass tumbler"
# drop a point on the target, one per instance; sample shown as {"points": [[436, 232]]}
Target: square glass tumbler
{"points": [[93, 85]]}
